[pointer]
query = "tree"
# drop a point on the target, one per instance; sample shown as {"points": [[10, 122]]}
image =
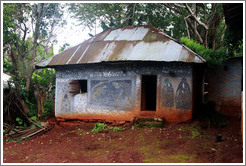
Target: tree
{"points": [[26, 29], [117, 15], [201, 22]]}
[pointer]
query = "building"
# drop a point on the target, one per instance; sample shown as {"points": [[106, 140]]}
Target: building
{"points": [[225, 85], [126, 73]]}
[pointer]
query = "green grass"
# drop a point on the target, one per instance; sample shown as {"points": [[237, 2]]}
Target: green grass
{"points": [[194, 130], [148, 124], [115, 128], [181, 158]]}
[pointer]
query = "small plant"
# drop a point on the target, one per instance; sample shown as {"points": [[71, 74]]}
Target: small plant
{"points": [[143, 123], [182, 158], [19, 140], [194, 129], [195, 133], [115, 129], [99, 127], [19, 120], [10, 140], [33, 126], [27, 138]]}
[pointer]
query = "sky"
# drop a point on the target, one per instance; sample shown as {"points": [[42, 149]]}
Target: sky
{"points": [[72, 33]]}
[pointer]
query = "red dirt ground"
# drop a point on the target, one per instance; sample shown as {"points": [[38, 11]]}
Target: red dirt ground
{"points": [[174, 143]]}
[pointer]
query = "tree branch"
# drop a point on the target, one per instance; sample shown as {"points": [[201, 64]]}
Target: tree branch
{"points": [[173, 9], [187, 27], [213, 14], [179, 5], [193, 15], [196, 31]]}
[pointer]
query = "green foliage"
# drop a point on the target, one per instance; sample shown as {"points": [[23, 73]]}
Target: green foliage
{"points": [[27, 32], [99, 127], [7, 66], [115, 128], [115, 15], [19, 140], [19, 120], [48, 107], [64, 47], [168, 17], [194, 130], [25, 125], [238, 51], [233, 41], [195, 133], [33, 126], [32, 111], [146, 123], [182, 158], [213, 57], [34, 118]]}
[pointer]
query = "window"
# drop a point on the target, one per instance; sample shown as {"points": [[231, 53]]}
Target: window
{"points": [[78, 86], [83, 86]]}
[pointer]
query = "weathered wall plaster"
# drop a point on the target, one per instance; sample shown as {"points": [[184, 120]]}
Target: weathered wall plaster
{"points": [[114, 91], [225, 85]]}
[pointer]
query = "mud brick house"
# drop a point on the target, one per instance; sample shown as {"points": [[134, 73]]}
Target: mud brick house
{"points": [[225, 85], [125, 73]]}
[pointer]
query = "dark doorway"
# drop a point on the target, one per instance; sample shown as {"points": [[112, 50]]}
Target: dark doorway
{"points": [[148, 96]]}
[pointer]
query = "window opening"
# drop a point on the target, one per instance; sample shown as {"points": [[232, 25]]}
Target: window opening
{"points": [[78, 86]]}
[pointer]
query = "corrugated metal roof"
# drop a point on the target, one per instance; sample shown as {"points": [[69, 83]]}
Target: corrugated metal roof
{"points": [[141, 43]]}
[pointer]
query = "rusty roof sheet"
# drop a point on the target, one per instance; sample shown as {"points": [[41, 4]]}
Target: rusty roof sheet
{"points": [[141, 43]]}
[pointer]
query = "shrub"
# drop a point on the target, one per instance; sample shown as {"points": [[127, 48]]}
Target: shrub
{"points": [[213, 57]]}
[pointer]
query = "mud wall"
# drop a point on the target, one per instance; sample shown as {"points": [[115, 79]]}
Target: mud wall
{"points": [[225, 86], [114, 91]]}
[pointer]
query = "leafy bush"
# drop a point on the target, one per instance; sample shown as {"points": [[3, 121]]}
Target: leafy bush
{"points": [[213, 57], [48, 107]]}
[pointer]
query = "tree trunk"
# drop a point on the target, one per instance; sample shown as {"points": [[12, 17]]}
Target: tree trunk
{"points": [[206, 39], [29, 76], [187, 27], [39, 99], [24, 105], [195, 24]]}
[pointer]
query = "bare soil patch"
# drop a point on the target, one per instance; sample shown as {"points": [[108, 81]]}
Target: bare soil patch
{"points": [[188, 142]]}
